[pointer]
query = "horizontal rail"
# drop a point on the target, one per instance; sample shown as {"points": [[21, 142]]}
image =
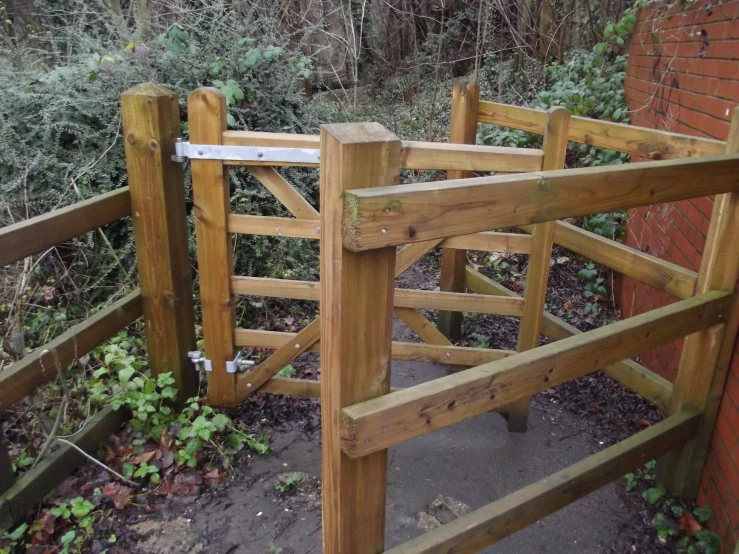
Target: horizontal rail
{"points": [[400, 416], [35, 484], [651, 144], [292, 387], [385, 216], [404, 298], [38, 233], [407, 351], [311, 229], [24, 376], [628, 373], [671, 278], [489, 524], [414, 154]]}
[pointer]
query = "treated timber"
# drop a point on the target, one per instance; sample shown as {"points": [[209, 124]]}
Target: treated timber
{"points": [[663, 275], [212, 199], [284, 192], [252, 381], [537, 272], [33, 486], [38, 233], [414, 154], [38, 367], [384, 216], [630, 374], [356, 335], [377, 424], [489, 524], [463, 130], [706, 356], [404, 298], [514, 243], [151, 124], [407, 351], [292, 387], [426, 330], [651, 144]]}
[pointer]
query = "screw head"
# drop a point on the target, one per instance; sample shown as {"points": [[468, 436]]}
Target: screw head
{"points": [[383, 231], [201, 152]]}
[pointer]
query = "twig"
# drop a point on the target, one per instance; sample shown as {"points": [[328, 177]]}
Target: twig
{"points": [[96, 461]]}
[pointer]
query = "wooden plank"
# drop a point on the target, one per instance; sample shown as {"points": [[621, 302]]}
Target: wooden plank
{"points": [[489, 524], [7, 476], [469, 157], [35, 484], [427, 331], [151, 123], [537, 271], [409, 213], [663, 275], [706, 356], [377, 424], [650, 144], [212, 198], [404, 298], [411, 253], [463, 130], [284, 192], [292, 387], [356, 331], [512, 243], [273, 140], [38, 233], [274, 226], [408, 351], [38, 367], [630, 374]]}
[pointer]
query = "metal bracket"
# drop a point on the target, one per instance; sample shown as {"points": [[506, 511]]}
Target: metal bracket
{"points": [[185, 150], [196, 357]]}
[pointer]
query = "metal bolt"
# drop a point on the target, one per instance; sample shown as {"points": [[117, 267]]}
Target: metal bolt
{"points": [[383, 231], [297, 346], [260, 154], [201, 152], [248, 385], [448, 354], [318, 229]]}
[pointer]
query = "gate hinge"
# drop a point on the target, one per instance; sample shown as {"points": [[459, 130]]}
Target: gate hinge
{"points": [[263, 154], [196, 357]]}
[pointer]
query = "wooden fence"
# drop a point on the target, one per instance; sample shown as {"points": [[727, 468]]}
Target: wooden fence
{"points": [[364, 215]]}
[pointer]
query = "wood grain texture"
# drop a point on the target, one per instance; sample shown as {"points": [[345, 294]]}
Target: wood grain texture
{"points": [[377, 424], [409, 213], [212, 204], [489, 524], [38, 233], [462, 130], [38, 367], [470, 157], [151, 123], [404, 298], [274, 226], [663, 275], [628, 373], [537, 270], [652, 144], [706, 356], [408, 351], [356, 336]]}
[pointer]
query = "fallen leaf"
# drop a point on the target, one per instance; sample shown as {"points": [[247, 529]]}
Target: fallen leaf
{"points": [[111, 489], [593, 410], [568, 306], [689, 525], [122, 497], [641, 423], [214, 477], [143, 457]]}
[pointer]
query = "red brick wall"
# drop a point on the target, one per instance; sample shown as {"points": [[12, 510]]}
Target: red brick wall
{"points": [[683, 76]]}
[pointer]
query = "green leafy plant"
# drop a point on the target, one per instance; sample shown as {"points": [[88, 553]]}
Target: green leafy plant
{"points": [[292, 482]]}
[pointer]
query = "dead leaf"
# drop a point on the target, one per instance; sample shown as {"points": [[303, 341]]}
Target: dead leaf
{"points": [[593, 410], [689, 525], [568, 306], [122, 497], [143, 457], [214, 477], [643, 423], [111, 489]]}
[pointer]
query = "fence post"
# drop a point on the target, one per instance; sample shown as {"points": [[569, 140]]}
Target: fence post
{"points": [[356, 335], [706, 355], [465, 100], [151, 123], [537, 273], [206, 114]]}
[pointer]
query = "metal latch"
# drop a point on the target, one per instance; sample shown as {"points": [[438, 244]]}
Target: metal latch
{"points": [[184, 150], [200, 363]]}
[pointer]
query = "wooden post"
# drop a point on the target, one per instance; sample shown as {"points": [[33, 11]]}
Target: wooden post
{"points": [[151, 123], [706, 356], [465, 99], [356, 335], [206, 108], [537, 273]]}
